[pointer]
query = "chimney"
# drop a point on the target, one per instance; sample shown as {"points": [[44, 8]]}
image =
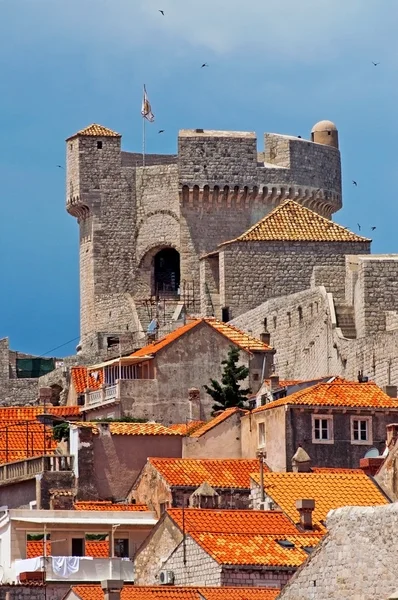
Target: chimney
{"points": [[301, 461], [370, 466], [390, 390], [274, 380], [103, 428], [265, 337], [392, 434], [305, 509], [112, 589], [194, 404], [45, 395]]}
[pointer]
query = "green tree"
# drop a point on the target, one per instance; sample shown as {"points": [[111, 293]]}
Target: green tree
{"points": [[228, 393]]}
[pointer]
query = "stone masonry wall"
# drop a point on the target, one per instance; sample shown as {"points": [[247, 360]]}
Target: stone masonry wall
{"points": [[252, 272], [34, 592], [332, 278], [357, 559], [199, 568], [266, 577]]}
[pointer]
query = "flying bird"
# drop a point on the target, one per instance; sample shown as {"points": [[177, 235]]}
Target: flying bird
{"points": [[60, 166], [161, 131], [354, 183], [161, 12], [373, 228], [204, 65], [359, 227], [375, 64]]}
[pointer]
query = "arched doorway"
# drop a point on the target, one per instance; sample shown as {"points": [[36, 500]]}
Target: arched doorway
{"points": [[167, 272]]}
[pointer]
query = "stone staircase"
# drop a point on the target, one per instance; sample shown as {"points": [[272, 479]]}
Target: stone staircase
{"points": [[346, 320]]}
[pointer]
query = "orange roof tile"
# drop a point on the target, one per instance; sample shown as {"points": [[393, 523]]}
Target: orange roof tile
{"points": [[19, 441], [290, 221], [130, 592], [96, 548], [264, 550], [337, 393], [17, 414], [109, 506], [186, 428], [36, 548], [334, 470], [329, 490], [97, 131], [206, 520], [233, 334], [218, 472], [130, 428], [83, 379], [219, 419]]}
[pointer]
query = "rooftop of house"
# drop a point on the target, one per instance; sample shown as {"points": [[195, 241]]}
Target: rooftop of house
{"points": [[233, 334], [18, 414], [337, 393], [329, 490], [205, 427], [93, 548], [82, 379], [130, 592], [104, 505], [246, 537], [217, 472], [128, 428], [96, 130], [19, 441], [291, 221], [187, 428]]}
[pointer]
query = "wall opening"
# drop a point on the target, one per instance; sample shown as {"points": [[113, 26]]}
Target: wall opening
{"points": [[167, 271]]}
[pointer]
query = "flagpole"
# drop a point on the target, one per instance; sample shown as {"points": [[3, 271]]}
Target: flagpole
{"points": [[143, 141]]}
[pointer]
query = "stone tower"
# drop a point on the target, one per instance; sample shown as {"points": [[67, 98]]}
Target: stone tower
{"points": [[144, 229]]}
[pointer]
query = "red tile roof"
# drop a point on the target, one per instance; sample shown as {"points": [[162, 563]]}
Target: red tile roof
{"points": [[186, 428], [130, 428], [36, 548], [109, 506], [337, 393], [19, 441], [329, 490], [97, 548], [217, 472], [130, 592], [18, 414], [233, 334], [219, 419], [83, 379]]}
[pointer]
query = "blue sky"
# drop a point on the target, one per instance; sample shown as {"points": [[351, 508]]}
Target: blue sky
{"points": [[274, 65]]}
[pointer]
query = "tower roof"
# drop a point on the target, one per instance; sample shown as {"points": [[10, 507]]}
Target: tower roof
{"points": [[290, 221], [324, 126], [95, 130]]}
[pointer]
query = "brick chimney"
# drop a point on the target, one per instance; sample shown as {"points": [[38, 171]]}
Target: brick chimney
{"points": [[265, 337], [305, 509], [370, 466], [194, 404], [392, 434], [390, 390], [301, 461], [274, 381], [112, 589]]}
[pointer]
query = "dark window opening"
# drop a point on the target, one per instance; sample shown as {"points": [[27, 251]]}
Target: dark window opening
{"points": [[77, 546], [285, 544], [121, 548], [167, 271], [99, 145], [225, 314], [111, 342]]}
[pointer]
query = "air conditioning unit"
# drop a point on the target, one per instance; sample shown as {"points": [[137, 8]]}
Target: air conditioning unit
{"points": [[166, 578]]}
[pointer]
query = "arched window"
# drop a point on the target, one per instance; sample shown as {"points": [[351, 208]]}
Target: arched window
{"points": [[167, 271]]}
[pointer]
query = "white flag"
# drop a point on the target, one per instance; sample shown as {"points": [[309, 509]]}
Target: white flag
{"points": [[146, 110]]}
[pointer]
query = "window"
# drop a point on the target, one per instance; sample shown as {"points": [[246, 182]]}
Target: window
{"points": [[289, 319], [121, 548], [99, 145], [261, 434], [274, 319], [300, 313], [361, 430], [322, 429]]}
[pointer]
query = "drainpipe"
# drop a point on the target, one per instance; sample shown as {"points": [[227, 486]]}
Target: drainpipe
{"points": [[261, 455]]}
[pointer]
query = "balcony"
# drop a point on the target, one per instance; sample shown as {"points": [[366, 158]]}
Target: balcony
{"points": [[29, 468], [106, 395], [66, 568]]}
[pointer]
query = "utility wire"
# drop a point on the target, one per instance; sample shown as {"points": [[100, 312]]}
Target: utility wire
{"points": [[57, 348]]}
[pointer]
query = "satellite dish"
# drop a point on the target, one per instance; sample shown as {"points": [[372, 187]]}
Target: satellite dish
{"points": [[372, 453]]}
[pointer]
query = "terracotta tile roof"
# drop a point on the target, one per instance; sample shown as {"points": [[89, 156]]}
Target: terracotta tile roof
{"points": [[130, 428], [217, 472], [264, 550], [96, 548], [130, 592], [202, 520], [97, 131], [186, 428], [329, 490], [219, 419], [290, 221], [334, 470], [233, 334], [19, 441], [337, 393], [36, 548], [15, 414], [109, 506], [81, 379]]}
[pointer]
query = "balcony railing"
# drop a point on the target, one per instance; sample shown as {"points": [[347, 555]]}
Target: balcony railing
{"points": [[26, 469], [84, 569], [108, 393]]}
